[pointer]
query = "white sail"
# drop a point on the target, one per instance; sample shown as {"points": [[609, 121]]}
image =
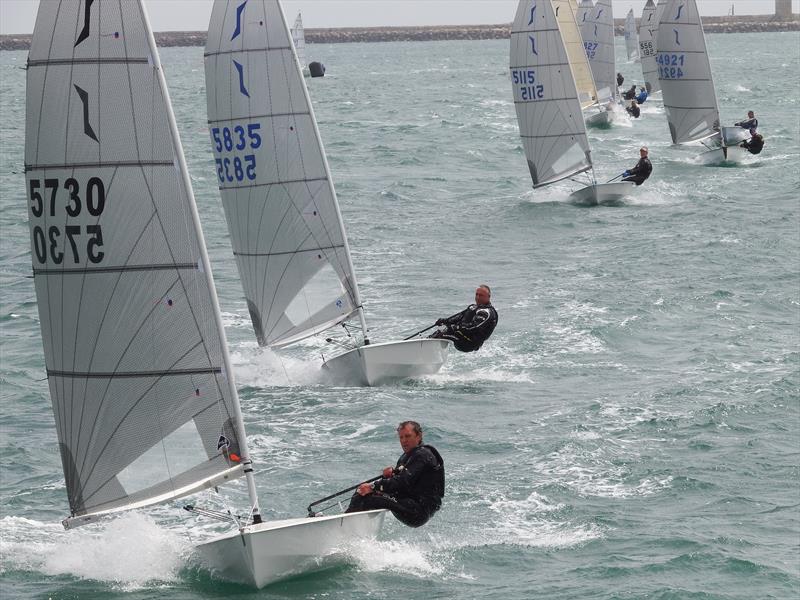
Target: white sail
{"points": [[631, 37], [648, 31], [545, 97], [597, 30], [299, 39], [139, 376], [279, 201], [684, 71], [571, 35]]}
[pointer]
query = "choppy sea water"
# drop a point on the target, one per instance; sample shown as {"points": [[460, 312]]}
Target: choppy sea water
{"points": [[632, 430]]}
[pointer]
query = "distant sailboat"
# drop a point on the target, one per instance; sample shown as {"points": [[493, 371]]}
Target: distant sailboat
{"points": [[684, 71], [576, 53], [299, 39], [286, 229], [596, 25], [548, 109], [631, 37], [648, 31], [141, 384]]}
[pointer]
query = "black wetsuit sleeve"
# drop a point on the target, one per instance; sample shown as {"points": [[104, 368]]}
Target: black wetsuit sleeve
{"points": [[403, 482], [456, 318]]}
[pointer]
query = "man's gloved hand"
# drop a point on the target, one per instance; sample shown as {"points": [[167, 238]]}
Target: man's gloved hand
{"points": [[626, 173]]}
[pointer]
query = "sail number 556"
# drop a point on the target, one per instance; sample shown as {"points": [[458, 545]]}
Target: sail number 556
{"points": [[232, 140]]}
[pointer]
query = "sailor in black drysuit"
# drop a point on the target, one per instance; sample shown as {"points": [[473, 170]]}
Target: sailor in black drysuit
{"points": [[630, 94], [755, 144], [641, 171], [620, 79], [473, 325], [750, 123], [634, 110], [414, 488]]}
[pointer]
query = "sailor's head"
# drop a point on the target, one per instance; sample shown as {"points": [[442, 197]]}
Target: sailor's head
{"points": [[751, 114], [410, 434], [483, 294], [643, 151]]}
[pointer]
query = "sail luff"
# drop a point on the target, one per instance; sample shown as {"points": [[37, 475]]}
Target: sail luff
{"points": [[631, 37], [545, 96], [246, 461], [353, 283], [684, 70]]}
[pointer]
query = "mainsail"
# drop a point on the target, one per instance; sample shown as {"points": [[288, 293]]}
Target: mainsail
{"points": [[648, 31], [299, 39], [139, 376], [597, 30], [684, 71], [281, 208], [631, 37], [545, 97], [571, 36]]}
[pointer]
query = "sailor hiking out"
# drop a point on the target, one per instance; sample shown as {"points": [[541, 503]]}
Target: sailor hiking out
{"points": [[755, 144], [473, 325], [633, 110], [413, 489], [749, 123], [641, 171]]}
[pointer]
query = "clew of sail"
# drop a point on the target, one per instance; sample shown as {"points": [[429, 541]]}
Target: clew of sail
{"points": [[134, 348], [597, 31], [631, 37], [648, 31], [545, 97], [571, 35], [684, 71], [279, 201]]}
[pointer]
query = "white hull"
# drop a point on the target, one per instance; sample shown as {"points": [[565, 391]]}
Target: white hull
{"points": [[729, 154], [261, 554], [600, 119], [603, 192], [380, 363]]}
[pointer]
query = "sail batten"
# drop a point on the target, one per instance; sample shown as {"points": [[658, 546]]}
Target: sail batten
{"points": [[684, 72], [133, 344], [545, 95], [280, 205]]}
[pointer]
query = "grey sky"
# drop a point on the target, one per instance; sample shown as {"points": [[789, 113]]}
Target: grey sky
{"points": [[18, 16]]}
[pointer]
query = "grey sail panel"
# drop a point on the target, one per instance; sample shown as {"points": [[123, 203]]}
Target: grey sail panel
{"points": [[631, 37], [545, 97], [133, 354], [299, 39], [648, 31], [684, 71], [277, 194], [571, 36], [597, 30]]}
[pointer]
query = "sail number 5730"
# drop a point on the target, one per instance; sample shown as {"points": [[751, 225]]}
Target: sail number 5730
{"points": [[230, 142]]}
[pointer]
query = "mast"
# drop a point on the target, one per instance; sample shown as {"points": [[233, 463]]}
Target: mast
{"points": [[354, 282], [184, 172]]}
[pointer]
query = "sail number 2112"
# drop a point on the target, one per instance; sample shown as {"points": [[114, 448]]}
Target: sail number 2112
{"points": [[229, 142]]}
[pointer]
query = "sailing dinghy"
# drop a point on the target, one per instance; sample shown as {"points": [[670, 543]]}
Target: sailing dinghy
{"points": [[277, 192], [631, 37], [299, 39], [142, 388], [690, 100], [648, 32], [548, 109], [596, 23]]}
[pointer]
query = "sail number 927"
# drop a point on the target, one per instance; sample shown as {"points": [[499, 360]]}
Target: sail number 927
{"points": [[58, 244], [526, 82], [231, 141]]}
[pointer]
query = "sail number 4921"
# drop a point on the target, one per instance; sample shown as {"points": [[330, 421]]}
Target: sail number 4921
{"points": [[670, 65], [230, 142], [529, 88], [59, 245]]}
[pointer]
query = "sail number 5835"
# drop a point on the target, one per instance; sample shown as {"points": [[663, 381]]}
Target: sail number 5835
{"points": [[231, 140]]}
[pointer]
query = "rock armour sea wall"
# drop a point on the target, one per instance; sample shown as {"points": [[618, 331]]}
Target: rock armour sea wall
{"points": [[742, 24]]}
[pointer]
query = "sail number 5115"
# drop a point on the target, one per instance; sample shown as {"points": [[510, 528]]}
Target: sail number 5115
{"points": [[529, 88]]}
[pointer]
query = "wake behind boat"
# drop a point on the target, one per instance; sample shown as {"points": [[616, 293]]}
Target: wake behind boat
{"points": [[286, 228], [142, 388], [548, 110]]}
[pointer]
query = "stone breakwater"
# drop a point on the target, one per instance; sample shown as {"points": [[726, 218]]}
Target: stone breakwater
{"points": [[743, 24]]}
